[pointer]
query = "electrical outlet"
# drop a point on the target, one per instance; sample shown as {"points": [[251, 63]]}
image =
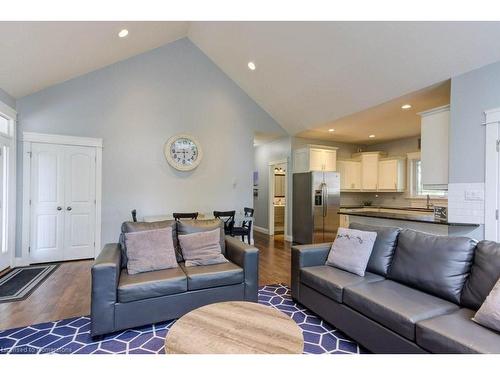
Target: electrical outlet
{"points": [[474, 195]]}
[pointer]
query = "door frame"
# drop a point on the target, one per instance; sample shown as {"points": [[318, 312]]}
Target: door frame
{"points": [[10, 140], [270, 205], [492, 175], [27, 139]]}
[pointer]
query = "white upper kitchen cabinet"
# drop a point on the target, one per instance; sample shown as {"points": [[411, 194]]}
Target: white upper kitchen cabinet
{"points": [[434, 147], [369, 169], [350, 175], [315, 158], [392, 174]]}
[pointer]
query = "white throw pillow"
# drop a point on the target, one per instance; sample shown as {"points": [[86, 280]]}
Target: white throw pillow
{"points": [[351, 250], [488, 314]]}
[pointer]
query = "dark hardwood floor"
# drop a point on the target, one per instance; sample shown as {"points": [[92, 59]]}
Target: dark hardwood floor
{"points": [[66, 293], [274, 259]]}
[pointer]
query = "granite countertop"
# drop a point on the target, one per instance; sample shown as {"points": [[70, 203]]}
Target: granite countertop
{"points": [[422, 218]]}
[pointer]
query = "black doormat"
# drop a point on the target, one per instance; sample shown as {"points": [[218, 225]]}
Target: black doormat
{"points": [[19, 283]]}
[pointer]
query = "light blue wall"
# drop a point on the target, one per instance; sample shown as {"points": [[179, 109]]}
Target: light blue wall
{"points": [[471, 94], [7, 99], [135, 106]]}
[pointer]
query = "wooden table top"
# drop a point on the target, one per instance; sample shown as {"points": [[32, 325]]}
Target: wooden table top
{"points": [[235, 327]]}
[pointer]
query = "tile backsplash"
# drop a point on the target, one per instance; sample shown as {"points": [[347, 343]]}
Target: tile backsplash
{"points": [[466, 203], [387, 200]]}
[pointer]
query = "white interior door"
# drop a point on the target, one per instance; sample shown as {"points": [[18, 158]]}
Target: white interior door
{"points": [[47, 202], [62, 202], [79, 221]]}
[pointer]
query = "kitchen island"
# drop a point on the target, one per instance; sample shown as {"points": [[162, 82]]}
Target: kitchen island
{"points": [[413, 218]]}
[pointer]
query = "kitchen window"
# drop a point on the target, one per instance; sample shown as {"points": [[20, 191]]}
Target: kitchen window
{"points": [[416, 189]]}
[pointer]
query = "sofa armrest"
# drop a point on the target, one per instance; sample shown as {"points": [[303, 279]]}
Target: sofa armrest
{"points": [[247, 257], [306, 256], [105, 278]]}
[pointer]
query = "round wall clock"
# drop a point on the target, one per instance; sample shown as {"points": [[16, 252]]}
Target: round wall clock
{"points": [[183, 152]]}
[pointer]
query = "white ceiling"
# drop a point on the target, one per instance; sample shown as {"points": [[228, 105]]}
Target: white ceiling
{"points": [[312, 73], [308, 73], [386, 121], [36, 55]]}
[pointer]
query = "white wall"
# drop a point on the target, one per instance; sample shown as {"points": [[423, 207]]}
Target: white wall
{"points": [[135, 106]]}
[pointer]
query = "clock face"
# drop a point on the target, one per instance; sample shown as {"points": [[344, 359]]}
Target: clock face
{"points": [[183, 152]]}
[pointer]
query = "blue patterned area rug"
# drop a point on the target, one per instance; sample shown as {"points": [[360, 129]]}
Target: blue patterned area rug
{"points": [[72, 336]]}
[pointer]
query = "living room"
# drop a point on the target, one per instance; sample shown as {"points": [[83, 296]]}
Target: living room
{"points": [[187, 185]]}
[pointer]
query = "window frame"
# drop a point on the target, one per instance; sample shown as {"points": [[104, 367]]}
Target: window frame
{"points": [[412, 159]]}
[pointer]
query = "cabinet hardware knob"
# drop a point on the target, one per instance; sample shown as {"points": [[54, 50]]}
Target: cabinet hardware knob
{"points": [[69, 208], [59, 208]]}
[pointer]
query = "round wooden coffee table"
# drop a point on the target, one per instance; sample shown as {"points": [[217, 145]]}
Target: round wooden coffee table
{"points": [[235, 328]]}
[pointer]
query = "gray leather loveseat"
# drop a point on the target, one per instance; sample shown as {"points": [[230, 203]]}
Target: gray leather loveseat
{"points": [[120, 301], [417, 296]]}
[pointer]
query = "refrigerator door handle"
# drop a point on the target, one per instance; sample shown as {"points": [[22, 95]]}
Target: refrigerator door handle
{"points": [[325, 199]]}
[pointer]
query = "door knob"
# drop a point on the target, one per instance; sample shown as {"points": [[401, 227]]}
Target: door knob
{"points": [[59, 208], [69, 208]]}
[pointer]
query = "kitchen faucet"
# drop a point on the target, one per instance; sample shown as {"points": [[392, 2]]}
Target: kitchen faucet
{"points": [[429, 204]]}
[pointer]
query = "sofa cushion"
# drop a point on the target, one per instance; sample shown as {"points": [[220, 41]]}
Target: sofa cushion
{"points": [[151, 284], [437, 265], [203, 277], [202, 248], [484, 274], [383, 249], [139, 226], [150, 250], [456, 333], [351, 250], [195, 226], [488, 314], [394, 305], [331, 281]]}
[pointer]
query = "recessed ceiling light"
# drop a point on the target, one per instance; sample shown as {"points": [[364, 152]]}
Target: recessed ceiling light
{"points": [[251, 65], [371, 136], [406, 106], [331, 130], [123, 33]]}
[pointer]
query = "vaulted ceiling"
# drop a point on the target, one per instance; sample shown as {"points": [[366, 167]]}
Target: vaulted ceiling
{"points": [[308, 75]]}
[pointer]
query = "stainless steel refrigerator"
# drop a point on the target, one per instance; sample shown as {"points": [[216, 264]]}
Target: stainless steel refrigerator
{"points": [[315, 206]]}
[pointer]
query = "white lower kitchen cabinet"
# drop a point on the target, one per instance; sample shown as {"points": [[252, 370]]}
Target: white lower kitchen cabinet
{"points": [[343, 221]]}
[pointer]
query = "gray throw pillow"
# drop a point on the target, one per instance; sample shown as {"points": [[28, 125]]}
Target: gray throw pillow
{"points": [[488, 314], [201, 248], [351, 250], [139, 226], [150, 250], [195, 226]]}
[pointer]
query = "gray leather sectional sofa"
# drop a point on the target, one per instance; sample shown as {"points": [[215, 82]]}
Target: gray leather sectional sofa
{"points": [[417, 296], [120, 301]]}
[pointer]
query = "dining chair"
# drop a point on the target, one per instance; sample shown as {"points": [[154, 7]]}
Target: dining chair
{"points": [[228, 218], [185, 215], [134, 215], [246, 225]]}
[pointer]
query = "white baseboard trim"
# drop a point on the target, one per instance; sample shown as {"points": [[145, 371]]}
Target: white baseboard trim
{"points": [[288, 238], [20, 262], [260, 229]]}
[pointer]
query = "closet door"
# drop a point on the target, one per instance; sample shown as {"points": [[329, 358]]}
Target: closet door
{"points": [[79, 209], [47, 202]]}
